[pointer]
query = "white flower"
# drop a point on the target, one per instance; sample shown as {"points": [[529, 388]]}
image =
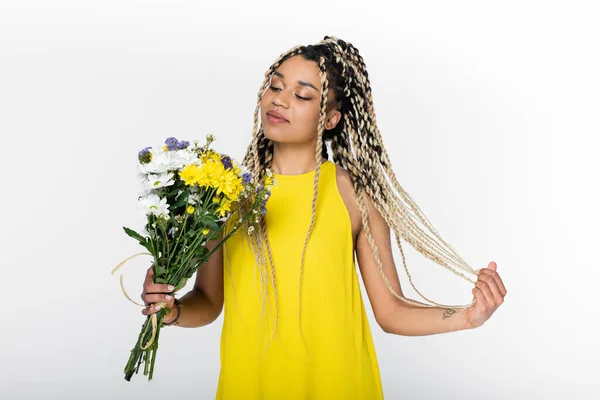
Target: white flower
{"points": [[185, 157], [144, 192], [243, 168], [193, 198], [153, 181], [162, 161], [152, 204]]}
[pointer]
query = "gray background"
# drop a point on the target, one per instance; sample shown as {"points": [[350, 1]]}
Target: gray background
{"points": [[489, 111]]}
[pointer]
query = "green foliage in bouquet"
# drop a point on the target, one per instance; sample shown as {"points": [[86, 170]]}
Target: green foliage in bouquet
{"points": [[189, 195]]}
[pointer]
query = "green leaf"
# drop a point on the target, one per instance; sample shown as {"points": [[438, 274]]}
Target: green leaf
{"points": [[173, 191], [209, 222], [181, 284], [181, 200], [159, 271], [142, 240], [134, 234]]}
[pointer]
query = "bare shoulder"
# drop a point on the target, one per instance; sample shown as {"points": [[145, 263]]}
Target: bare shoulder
{"points": [[346, 189]]}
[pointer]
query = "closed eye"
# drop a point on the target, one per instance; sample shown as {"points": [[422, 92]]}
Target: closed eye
{"points": [[276, 89]]}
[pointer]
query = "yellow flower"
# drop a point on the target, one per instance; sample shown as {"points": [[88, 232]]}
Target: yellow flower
{"points": [[210, 155], [190, 209], [205, 231], [216, 199], [269, 180], [236, 169], [216, 170], [203, 180], [210, 173], [190, 174], [235, 194], [224, 207], [227, 183]]}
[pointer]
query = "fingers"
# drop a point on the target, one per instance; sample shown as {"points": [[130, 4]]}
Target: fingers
{"points": [[152, 289], [490, 289], [155, 292], [479, 297], [156, 297], [158, 288], [152, 307], [149, 276], [489, 272], [486, 294]]}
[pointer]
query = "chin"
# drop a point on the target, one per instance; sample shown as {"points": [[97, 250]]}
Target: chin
{"points": [[279, 138], [276, 135]]}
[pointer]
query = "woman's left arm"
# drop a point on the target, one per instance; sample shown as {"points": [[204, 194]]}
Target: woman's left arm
{"points": [[398, 317]]}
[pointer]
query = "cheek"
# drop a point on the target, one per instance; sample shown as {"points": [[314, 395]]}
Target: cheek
{"points": [[311, 116], [263, 101], [306, 123], [263, 104]]}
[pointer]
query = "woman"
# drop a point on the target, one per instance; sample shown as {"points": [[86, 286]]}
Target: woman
{"points": [[295, 325]]}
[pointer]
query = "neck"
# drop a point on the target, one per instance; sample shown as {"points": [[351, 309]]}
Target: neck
{"points": [[294, 159]]}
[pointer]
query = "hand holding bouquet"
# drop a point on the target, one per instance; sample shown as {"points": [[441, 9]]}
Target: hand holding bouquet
{"points": [[188, 194]]}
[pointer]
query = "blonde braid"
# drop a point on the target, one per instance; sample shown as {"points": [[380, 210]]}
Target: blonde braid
{"points": [[383, 207], [318, 155], [369, 148], [385, 159], [258, 157]]}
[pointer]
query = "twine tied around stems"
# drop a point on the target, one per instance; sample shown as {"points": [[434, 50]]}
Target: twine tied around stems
{"points": [[153, 318]]}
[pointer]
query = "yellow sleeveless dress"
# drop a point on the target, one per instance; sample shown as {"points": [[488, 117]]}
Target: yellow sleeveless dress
{"points": [[332, 356]]}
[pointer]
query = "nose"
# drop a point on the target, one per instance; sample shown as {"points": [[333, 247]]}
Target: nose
{"points": [[280, 99]]}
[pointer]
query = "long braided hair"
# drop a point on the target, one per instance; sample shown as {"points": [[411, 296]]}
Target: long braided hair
{"points": [[357, 146]]}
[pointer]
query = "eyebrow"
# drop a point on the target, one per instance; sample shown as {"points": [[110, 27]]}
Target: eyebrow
{"points": [[279, 74]]}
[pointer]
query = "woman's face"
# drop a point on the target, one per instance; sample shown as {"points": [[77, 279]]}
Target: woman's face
{"points": [[295, 93]]}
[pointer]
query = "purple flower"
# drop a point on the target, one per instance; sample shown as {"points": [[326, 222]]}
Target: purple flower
{"points": [[226, 161], [144, 155], [246, 178], [183, 145], [172, 143]]}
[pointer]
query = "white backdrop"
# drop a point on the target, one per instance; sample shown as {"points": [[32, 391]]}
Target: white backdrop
{"points": [[489, 111]]}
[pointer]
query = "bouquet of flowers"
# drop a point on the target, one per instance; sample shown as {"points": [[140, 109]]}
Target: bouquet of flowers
{"points": [[188, 193]]}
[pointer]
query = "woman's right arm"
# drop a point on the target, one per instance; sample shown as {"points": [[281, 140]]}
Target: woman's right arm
{"points": [[201, 305]]}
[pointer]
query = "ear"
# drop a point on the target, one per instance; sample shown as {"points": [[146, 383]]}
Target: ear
{"points": [[332, 120]]}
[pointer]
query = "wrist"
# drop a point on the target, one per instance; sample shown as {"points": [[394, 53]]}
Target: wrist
{"points": [[172, 316], [464, 322]]}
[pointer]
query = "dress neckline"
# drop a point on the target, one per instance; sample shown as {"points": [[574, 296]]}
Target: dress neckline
{"points": [[299, 176]]}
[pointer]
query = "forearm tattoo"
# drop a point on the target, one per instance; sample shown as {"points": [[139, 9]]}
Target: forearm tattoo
{"points": [[448, 313]]}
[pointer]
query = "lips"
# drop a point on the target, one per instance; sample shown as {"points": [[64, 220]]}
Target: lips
{"points": [[275, 114]]}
